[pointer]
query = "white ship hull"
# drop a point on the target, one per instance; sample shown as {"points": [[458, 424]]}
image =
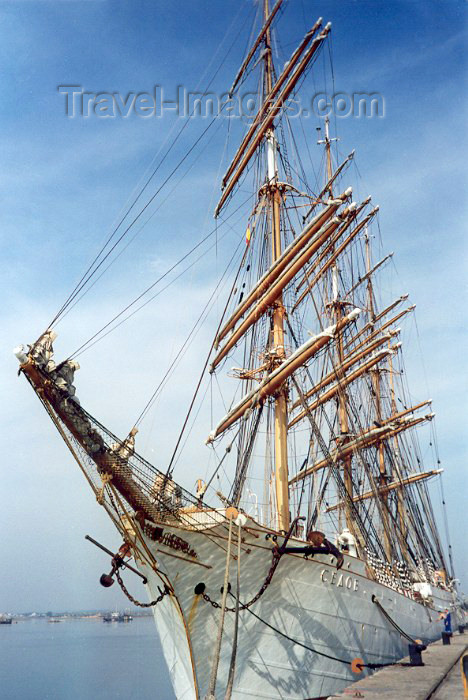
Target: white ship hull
{"points": [[308, 600]]}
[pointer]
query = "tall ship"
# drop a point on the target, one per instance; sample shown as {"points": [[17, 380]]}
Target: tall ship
{"points": [[310, 555]]}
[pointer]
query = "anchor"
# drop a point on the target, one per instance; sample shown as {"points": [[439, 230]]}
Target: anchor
{"points": [[117, 561], [310, 550], [319, 545]]}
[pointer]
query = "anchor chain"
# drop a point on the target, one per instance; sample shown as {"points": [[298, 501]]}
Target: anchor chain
{"points": [[277, 554], [133, 600]]}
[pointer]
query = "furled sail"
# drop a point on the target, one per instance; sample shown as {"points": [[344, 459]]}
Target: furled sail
{"points": [[288, 69], [284, 279], [391, 487], [270, 115], [274, 380], [367, 439], [342, 384], [282, 262]]}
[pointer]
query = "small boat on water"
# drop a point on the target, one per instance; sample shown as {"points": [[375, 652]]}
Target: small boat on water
{"points": [[5, 620], [117, 617]]}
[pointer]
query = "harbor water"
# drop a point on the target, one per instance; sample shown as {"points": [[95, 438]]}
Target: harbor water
{"points": [[82, 659]]}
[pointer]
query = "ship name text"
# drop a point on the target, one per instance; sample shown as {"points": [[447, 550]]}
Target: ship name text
{"points": [[170, 540], [340, 580]]}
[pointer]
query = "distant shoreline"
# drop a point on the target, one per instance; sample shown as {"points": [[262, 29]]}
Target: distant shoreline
{"points": [[78, 615]]}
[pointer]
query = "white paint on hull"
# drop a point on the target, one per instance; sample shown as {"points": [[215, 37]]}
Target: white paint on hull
{"points": [[329, 611]]}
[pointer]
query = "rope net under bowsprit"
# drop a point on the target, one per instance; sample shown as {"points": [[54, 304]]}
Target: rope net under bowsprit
{"points": [[143, 490]]}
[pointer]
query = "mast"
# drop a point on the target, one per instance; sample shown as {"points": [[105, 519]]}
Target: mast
{"points": [[327, 141], [376, 384], [277, 346], [340, 440], [397, 476], [337, 306], [314, 258]]}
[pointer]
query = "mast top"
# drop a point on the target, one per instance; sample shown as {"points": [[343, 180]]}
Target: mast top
{"points": [[327, 141]]}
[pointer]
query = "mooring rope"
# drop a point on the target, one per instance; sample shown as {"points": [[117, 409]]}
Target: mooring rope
{"points": [[314, 651], [232, 665], [392, 622], [214, 669]]}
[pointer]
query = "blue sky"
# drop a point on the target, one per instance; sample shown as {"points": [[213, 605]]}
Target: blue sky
{"points": [[64, 182]]}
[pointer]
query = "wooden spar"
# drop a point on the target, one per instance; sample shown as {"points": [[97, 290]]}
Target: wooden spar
{"points": [[411, 423], [335, 255], [330, 247], [277, 349], [362, 441], [365, 277], [273, 91], [379, 330], [281, 416], [348, 362], [271, 114], [412, 409], [378, 317], [276, 379], [390, 487], [328, 185], [389, 308], [283, 280], [334, 390], [282, 261], [106, 460], [255, 46]]}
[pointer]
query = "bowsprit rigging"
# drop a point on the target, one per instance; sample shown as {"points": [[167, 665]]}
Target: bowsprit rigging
{"points": [[304, 379]]}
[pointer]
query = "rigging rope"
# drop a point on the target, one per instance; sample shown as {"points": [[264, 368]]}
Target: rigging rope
{"points": [[241, 471], [202, 374], [94, 337], [226, 452], [137, 217], [137, 232], [197, 322], [92, 269]]}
